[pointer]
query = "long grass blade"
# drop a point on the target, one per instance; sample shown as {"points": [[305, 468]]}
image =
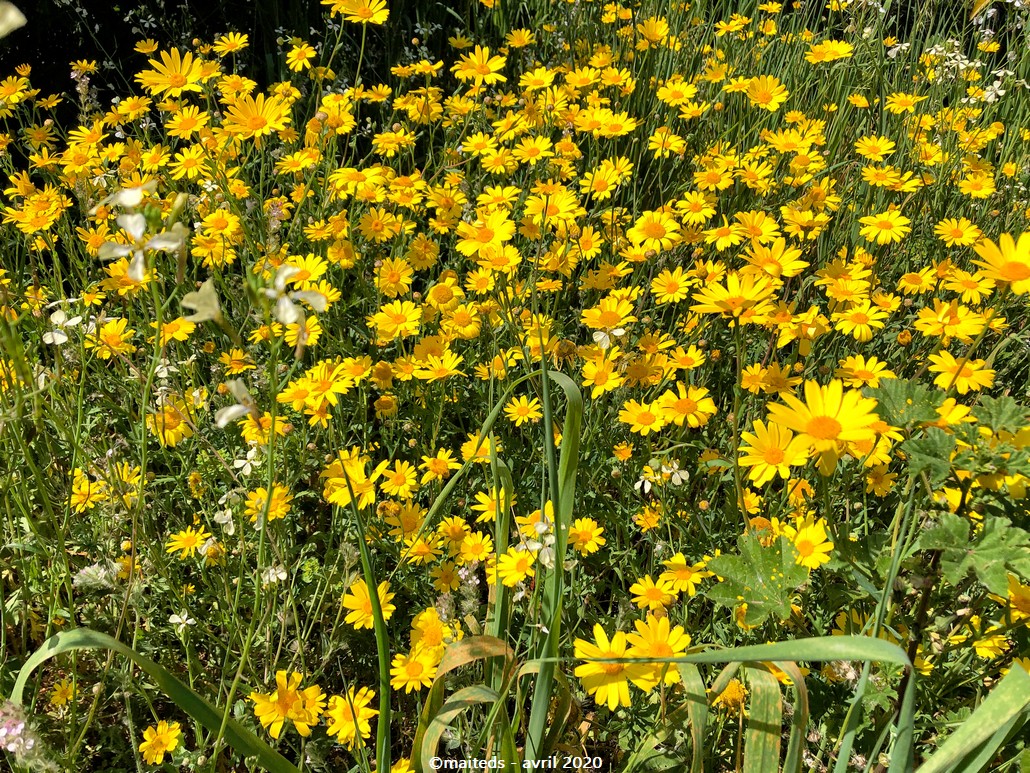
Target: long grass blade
{"points": [[238, 737]]}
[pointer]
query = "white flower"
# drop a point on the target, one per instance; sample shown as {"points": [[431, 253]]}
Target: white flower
{"points": [[165, 368], [245, 404], [604, 340], [676, 475], [226, 521], [181, 621], [60, 321], [246, 466], [272, 575], [203, 303], [10, 19]]}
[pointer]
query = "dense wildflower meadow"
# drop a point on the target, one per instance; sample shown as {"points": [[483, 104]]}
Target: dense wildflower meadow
{"points": [[642, 386]]}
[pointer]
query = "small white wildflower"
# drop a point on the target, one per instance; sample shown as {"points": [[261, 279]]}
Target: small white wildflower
{"points": [[181, 621]]}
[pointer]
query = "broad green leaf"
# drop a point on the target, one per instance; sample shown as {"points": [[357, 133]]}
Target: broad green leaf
{"points": [[816, 649], [904, 403], [997, 550], [236, 735], [1000, 414], [765, 722], [1009, 701], [764, 578], [697, 713], [930, 453]]}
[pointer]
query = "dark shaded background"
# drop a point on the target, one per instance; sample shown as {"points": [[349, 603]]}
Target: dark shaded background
{"points": [[61, 31]]}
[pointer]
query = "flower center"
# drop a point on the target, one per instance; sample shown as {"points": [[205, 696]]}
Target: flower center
{"points": [[823, 428]]}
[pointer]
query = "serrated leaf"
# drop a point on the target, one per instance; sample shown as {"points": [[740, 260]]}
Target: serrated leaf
{"points": [[999, 549], [903, 403], [1000, 414], [930, 453], [764, 578]]}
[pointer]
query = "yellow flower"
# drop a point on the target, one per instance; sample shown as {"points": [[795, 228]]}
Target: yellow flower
{"points": [[656, 231], [160, 740], [479, 67], [810, 541], [683, 576], [63, 693], [655, 596], [964, 375], [585, 536], [188, 541], [771, 451], [885, 228], [349, 716], [688, 405], [732, 698], [173, 75], [360, 11], [299, 57], [766, 92], [256, 118], [289, 702], [515, 566], [828, 417], [1006, 262], [111, 339], [656, 638], [412, 672], [261, 505], [643, 418], [607, 681], [521, 411], [359, 604], [86, 493], [172, 422]]}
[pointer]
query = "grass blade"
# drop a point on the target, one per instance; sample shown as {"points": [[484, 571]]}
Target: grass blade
{"points": [[1008, 702], [765, 722], [799, 726], [565, 495], [240, 738]]}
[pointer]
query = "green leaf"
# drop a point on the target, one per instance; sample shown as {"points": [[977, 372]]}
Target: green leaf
{"points": [[794, 759], [979, 737], [238, 737], [765, 722], [1000, 414], [457, 703], [997, 550], [562, 485], [903, 403], [697, 713], [462, 653], [930, 453], [764, 578]]}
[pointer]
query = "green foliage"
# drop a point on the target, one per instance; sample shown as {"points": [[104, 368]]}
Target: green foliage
{"points": [[902, 402], [930, 453], [216, 721], [995, 549], [762, 577]]}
